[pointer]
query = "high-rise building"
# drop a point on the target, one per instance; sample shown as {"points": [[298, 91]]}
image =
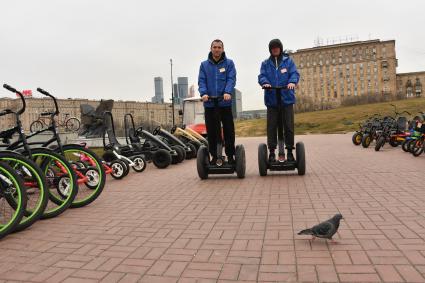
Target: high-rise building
{"points": [[183, 86], [159, 90], [332, 73], [176, 94], [236, 103]]}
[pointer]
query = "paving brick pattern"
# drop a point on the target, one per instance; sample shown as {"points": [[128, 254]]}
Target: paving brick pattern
{"points": [[169, 226]]}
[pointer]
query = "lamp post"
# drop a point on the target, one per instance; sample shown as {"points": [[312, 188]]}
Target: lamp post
{"points": [[172, 90]]}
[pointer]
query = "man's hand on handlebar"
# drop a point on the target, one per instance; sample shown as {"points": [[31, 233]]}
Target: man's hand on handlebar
{"points": [[291, 86], [267, 85], [205, 98], [227, 97]]}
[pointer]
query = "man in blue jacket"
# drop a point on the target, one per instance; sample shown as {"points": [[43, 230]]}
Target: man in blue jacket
{"points": [[217, 78], [279, 70]]}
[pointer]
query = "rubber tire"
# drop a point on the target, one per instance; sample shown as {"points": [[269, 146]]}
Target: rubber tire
{"points": [[354, 138], [121, 164], [240, 161], [51, 214], [7, 170], [100, 170], [262, 159], [183, 151], [161, 158], [300, 155], [181, 154], [416, 151], [379, 143], [394, 143], [140, 158], [404, 145], [127, 167], [202, 161], [193, 152], [27, 222], [410, 145], [366, 140]]}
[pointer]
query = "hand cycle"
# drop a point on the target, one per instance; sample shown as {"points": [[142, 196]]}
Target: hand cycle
{"points": [[263, 161], [205, 167], [57, 172]]}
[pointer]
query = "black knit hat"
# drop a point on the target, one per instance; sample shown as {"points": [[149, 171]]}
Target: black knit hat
{"points": [[275, 43]]}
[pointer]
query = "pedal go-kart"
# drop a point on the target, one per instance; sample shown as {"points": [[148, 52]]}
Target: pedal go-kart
{"points": [[263, 161], [183, 150], [205, 167]]}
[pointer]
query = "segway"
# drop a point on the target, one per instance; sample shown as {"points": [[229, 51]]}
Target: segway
{"points": [[205, 167], [263, 161]]}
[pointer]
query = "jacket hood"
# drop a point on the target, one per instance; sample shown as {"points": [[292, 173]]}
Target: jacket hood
{"points": [[210, 57], [275, 43]]}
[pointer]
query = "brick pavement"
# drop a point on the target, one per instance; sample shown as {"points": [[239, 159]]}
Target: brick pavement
{"points": [[169, 226]]}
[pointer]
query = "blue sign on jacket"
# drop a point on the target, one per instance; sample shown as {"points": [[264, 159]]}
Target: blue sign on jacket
{"points": [[217, 78], [278, 75]]}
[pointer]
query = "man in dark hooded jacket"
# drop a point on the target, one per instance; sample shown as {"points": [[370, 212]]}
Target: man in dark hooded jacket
{"points": [[279, 70], [217, 79]]}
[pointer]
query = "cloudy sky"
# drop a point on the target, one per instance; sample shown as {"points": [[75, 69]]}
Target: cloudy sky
{"points": [[113, 49]]}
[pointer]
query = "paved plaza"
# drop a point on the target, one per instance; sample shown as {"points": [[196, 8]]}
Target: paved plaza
{"points": [[169, 226]]}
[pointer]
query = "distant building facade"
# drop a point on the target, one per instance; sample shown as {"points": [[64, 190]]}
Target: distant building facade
{"points": [[159, 90], [332, 73], [410, 84]]}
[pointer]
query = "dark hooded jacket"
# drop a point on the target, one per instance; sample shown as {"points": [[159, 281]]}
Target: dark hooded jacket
{"points": [[278, 71]]}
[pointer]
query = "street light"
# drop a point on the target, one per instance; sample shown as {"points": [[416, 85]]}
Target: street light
{"points": [[172, 89]]}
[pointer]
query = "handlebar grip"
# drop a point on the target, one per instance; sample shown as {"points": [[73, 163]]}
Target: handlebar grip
{"points": [[40, 90], [9, 88]]}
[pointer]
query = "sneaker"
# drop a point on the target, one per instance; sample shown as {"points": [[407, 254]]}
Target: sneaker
{"points": [[281, 157], [272, 157], [290, 156]]}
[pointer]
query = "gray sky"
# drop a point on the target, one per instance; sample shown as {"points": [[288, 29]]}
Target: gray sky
{"points": [[113, 49]]}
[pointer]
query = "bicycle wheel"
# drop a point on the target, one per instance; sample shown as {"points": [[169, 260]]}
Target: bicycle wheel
{"points": [[34, 184], [60, 178], [91, 176], [36, 126], [72, 124], [12, 199]]}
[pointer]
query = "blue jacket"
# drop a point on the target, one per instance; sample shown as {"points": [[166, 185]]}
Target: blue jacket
{"points": [[281, 75], [216, 79]]}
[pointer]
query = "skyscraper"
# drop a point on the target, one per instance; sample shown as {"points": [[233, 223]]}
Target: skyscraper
{"points": [[176, 94], [159, 90], [183, 86]]}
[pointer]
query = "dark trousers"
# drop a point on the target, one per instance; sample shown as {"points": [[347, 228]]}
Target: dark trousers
{"points": [[286, 135], [213, 122]]}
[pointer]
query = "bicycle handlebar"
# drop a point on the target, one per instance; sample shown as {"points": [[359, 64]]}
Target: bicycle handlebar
{"points": [[21, 96], [42, 91]]}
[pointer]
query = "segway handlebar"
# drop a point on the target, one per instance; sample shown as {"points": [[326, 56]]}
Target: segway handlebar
{"points": [[275, 87]]}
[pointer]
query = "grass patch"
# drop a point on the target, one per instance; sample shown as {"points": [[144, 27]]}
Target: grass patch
{"points": [[339, 120]]}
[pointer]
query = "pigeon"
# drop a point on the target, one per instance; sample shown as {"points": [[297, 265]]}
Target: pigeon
{"points": [[325, 229]]}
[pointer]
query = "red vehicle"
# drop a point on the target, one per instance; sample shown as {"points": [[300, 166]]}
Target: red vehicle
{"points": [[193, 115]]}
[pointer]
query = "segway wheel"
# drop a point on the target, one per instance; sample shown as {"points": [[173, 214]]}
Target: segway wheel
{"points": [[161, 158], [262, 159], [139, 163], [202, 160], [240, 161], [118, 169], [300, 154], [193, 151]]}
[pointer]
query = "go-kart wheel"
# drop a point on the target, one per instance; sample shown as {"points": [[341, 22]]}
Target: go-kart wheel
{"points": [[161, 158], [139, 163], [181, 154], [357, 138], [379, 143], [202, 161], [300, 155], [366, 140], [393, 142], [127, 167], [404, 145], [193, 151], [118, 169], [262, 159], [240, 161], [156, 131]]}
